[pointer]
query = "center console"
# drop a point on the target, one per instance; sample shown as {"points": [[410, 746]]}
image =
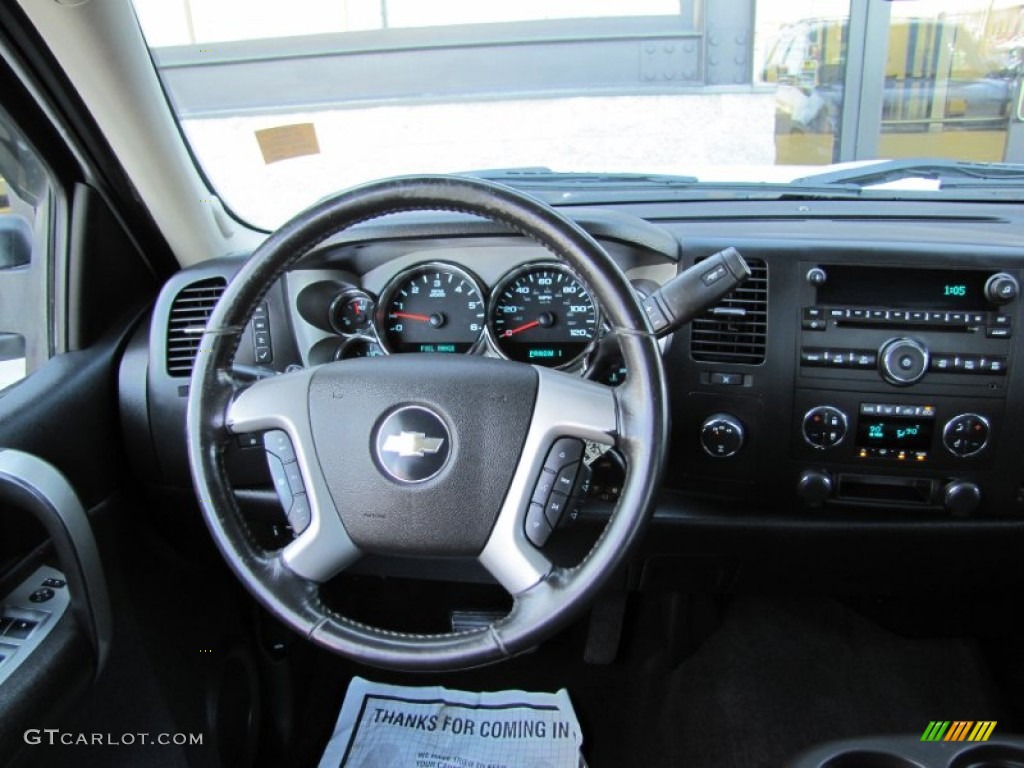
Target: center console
{"points": [[901, 383]]}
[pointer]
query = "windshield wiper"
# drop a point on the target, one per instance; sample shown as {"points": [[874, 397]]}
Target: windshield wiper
{"points": [[542, 175], [951, 174]]}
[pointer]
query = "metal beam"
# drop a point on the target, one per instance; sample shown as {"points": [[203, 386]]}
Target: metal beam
{"points": [[864, 83], [649, 54]]}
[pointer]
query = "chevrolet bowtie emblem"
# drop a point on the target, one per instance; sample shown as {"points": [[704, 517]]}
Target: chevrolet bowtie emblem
{"points": [[412, 444]]}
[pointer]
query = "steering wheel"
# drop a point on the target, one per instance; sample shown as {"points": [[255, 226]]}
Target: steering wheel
{"points": [[426, 455]]}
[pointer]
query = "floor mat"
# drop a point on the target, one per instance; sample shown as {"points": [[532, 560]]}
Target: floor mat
{"points": [[778, 676]]}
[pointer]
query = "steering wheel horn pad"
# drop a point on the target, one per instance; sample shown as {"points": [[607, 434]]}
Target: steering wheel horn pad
{"points": [[482, 402], [500, 418]]}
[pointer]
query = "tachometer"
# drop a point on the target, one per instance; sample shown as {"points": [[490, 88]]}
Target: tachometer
{"points": [[431, 308], [542, 314]]}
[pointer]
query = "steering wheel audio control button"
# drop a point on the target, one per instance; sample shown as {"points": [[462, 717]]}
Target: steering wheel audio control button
{"points": [[556, 508], [565, 452], [566, 479], [538, 529], [545, 484]]}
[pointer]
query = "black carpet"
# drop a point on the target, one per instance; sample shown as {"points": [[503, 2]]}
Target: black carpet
{"points": [[777, 677]]}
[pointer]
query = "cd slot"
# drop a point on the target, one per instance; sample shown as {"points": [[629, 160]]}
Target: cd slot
{"points": [[905, 325], [867, 489]]}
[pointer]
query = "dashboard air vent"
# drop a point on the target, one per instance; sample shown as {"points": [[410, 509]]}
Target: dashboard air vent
{"points": [[190, 311], [736, 329]]}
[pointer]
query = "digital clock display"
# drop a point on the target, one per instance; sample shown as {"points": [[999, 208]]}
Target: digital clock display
{"points": [[897, 287]]}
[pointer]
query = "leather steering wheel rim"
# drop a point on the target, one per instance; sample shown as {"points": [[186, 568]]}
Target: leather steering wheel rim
{"points": [[542, 604]]}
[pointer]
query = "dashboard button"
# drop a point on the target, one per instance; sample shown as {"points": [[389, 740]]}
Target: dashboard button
{"points": [[41, 595], [824, 427], [942, 362], [902, 361], [727, 379], [966, 435], [918, 317], [898, 315], [264, 355], [814, 325], [812, 357], [998, 332], [995, 365]]}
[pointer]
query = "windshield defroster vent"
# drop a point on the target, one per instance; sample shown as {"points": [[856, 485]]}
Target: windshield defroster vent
{"points": [[190, 312], [736, 329]]}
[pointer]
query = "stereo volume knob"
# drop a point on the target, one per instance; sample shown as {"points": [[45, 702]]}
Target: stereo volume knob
{"points": [[722, 435], [824, 427], [902, 361], [1001, 288]]}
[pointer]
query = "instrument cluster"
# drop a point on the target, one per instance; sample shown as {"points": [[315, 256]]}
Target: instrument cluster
{"points": [[539, 313]]}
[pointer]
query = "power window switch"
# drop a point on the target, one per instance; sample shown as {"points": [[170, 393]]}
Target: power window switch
{"points": [[21, 629]]}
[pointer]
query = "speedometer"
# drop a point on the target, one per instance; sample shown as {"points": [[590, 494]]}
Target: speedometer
{"points": [[431, 308], [542, 314]]}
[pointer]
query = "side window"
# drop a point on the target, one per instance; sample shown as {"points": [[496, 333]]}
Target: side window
{"points": [[26, 201]]}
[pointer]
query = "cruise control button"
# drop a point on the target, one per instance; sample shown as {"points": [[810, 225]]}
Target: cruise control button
{"points": [[582, 487], [291, 471], [300, 514], [278, 443], [538, 529]]}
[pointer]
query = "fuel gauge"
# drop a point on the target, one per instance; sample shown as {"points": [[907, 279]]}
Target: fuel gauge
{"points": [[352, 313]]}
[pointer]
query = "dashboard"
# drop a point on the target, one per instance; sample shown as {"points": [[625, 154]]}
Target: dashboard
{"points": [[865, 379]]}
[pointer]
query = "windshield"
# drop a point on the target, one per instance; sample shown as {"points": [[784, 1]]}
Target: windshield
{"points": [[284, 103]]}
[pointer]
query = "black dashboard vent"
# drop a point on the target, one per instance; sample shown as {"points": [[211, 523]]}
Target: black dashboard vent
{"points": [[736, 329], [190, 311]]}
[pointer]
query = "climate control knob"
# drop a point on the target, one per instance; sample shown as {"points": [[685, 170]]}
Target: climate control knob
{"points": [[824, 427], [966, 435], [902, 361], [722, 435]]}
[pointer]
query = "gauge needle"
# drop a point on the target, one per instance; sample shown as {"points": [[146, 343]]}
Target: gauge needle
{"points": [[521, 328], [410, 316]]}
